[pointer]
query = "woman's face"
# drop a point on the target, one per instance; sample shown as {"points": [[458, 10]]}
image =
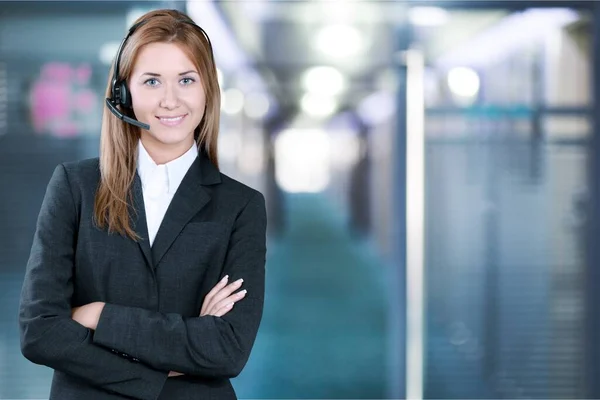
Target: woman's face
{"points": [[167, 94]]}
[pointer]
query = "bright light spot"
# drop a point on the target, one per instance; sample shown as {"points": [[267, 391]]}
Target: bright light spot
{"points": [[108, 52], [323, 80], [233, 101], [463, 81], [428, 16], [339, 40], [302, 160], [317, 105], [256, 105]]}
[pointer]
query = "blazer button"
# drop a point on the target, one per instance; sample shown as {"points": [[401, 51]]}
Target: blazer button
{"points": [[135, 360]]}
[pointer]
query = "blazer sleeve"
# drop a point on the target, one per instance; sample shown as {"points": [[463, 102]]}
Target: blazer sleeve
{"points": [[208, 345], [48, 334]]}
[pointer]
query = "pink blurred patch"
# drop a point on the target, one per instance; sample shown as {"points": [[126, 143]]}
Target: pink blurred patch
{"points": [[67, 129], [49, 101]]}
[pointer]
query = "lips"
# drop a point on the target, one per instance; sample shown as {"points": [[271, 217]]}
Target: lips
{"points": [[171, 120]]}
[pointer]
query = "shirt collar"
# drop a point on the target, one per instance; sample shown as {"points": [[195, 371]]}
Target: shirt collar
{"points": [[176, 169]]}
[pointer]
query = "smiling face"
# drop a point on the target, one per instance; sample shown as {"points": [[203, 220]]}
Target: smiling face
{"points": [[167, 93]]}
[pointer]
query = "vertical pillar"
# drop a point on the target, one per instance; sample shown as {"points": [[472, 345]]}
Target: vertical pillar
{"points": [[592, 278], [398, 235]]}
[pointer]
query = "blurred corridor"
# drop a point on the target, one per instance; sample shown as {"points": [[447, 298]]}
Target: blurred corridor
{"points": [[430, 169]]}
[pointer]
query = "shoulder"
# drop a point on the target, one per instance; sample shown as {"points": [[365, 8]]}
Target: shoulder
{"points": [[87, 166], [81, 176], [82, 171], [239, 192]]}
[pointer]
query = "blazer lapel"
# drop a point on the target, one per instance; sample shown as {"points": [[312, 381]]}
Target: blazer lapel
{"points": [[138, 219], [189, 199]]}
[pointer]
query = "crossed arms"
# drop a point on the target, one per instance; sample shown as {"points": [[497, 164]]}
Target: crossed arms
{"points": [[208, 345]]}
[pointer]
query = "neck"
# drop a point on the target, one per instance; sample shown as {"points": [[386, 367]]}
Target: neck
{"points": [[162, 153]]}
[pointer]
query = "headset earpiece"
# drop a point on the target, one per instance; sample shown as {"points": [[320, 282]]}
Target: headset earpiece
{"points": [[124, 96]]}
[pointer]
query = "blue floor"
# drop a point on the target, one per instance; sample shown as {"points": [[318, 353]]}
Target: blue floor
{"points": [[324, 331]]}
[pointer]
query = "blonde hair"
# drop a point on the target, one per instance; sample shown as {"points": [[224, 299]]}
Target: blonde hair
{"points": [[119, 140]]}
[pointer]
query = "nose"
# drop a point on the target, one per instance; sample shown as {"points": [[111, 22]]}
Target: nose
{"points": [[170, 98]]}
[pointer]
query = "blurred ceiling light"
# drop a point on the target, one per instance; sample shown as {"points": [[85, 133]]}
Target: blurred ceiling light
{"points": [[256, 105], [324, 80], [339, 41], [317, 105], [232, 101], [107, 52], [427, 16], [513, 32], [463, 82], [302, 160]]}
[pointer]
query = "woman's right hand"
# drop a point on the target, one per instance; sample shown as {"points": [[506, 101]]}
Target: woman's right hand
{"points": [[219, 301]]}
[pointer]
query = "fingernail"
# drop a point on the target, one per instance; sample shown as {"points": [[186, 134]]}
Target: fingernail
{"points": [[230, 304], [245, 291], [240, 281], [225, 278]]}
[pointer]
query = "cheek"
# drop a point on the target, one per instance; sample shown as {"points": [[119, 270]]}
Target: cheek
{"points": [[142, 102], [197, 101]]}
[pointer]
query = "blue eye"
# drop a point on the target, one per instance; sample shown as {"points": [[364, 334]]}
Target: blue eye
{"points": [[188, 81], [151, 82]]}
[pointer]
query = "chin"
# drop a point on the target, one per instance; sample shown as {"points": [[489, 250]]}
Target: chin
{"points": [[170, 138]]}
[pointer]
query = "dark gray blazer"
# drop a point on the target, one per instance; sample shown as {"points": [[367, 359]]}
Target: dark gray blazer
{"points": [[215, 226]]}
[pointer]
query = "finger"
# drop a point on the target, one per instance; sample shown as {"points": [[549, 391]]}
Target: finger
{"points": [[224, 310], [233, 298], [222, 283], [224, 293], [213, 291]]}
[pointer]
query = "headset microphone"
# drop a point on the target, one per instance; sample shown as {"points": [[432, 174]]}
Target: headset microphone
{"points": [[125, 118]]}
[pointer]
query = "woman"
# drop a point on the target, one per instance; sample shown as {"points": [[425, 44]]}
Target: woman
{"points": [[138, 256]]}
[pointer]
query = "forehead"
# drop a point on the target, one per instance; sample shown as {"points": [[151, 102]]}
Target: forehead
{"points": [[162, 58]]}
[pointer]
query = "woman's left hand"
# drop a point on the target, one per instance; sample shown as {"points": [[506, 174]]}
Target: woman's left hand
{"points": [[88, 315]]}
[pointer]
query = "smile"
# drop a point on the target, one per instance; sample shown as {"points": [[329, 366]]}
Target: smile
{"points": [[171, 121]]}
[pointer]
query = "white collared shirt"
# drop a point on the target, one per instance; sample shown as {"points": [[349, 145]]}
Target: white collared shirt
{"points": [[159, 184]]}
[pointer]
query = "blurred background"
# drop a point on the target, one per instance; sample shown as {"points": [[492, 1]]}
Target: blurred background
{"points": [[430, 168]]}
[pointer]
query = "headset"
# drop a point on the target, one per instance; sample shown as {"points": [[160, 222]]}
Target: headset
{"points": [[120, 95]]}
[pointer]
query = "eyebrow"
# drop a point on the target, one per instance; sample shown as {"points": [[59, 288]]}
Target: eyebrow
{"points": [[182, 73]]}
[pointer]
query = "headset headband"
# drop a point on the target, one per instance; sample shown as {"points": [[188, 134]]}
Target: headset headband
{"points": [[131, 31]]}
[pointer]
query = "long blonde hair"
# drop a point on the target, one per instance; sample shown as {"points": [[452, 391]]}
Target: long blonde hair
{"points": [[119, 140]]}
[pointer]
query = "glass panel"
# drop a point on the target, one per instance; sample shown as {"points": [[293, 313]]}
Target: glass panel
{"points": [[506, 153]]}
